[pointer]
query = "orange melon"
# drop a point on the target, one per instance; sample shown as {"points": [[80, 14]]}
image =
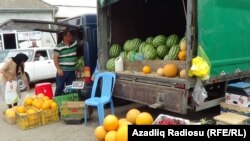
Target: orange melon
{"points": [[146, 69], [170, 70], [182, 55]]}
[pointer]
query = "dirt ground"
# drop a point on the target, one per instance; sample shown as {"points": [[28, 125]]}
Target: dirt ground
{"points": [[61, 131]]}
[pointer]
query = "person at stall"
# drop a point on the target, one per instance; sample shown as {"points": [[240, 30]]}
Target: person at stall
{"points": [[9, 72], [65, 60]]}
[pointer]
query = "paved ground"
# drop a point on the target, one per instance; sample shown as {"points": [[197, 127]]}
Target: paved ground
{"points": [[64, 132]]}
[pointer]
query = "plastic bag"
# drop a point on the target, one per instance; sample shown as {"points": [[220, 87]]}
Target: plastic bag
{"points": [[200, 66], [97, 70], [11, 94], [199, 94]]}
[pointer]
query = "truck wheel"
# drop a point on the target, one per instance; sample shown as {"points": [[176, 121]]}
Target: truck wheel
{"points": [[21, 83]]}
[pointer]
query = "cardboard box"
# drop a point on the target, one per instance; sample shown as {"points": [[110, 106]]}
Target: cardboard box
{"points": [[224, 108], [72, 110], [231, 119], [238, 94]]}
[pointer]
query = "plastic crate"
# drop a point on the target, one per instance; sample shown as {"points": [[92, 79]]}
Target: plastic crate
{"points": [[175, 120], [49, 116], [27, 121], [67, 97]]}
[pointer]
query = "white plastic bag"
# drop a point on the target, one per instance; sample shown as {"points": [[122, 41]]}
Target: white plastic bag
{"points": [[199, 94], [11, 95]]}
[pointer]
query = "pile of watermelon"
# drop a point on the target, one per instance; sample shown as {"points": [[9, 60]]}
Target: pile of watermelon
{"points": [[160, 47]]}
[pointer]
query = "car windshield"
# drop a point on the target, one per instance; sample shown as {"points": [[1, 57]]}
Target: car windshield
{"points": [[6, 54]]}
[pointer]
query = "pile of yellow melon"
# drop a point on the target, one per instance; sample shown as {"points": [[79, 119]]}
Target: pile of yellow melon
{"points": [[40, 102], [114, 129]]}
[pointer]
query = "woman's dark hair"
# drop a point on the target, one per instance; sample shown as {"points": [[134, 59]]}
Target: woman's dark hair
{"points": [[18, 59]]}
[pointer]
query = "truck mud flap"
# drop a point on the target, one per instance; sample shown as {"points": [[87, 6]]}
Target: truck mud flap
{"points": [[172, 99]]}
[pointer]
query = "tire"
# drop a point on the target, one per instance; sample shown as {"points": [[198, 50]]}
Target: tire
{"points": [[21, 83]]}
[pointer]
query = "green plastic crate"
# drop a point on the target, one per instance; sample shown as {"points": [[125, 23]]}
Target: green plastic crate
{"points": [[67, 97]]}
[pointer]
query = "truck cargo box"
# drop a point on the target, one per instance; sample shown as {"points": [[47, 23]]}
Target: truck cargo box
{"points": [[218, 27]]}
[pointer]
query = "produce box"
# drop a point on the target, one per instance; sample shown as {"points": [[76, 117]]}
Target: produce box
{"points": [[73, 111], [231, 119], [67, 97], [49, 116], [9, 120], [29, 119], [224, 108], [170, 120]]}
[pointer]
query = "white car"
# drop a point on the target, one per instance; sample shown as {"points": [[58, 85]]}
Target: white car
{"points": [[35, 69]]}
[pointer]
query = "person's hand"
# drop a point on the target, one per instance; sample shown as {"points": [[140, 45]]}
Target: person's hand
{"points": [[60, 72]]}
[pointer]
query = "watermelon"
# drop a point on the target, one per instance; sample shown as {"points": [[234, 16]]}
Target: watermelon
{"points": [[110, 65], [147, 47], [172, 40], [150, 53], [167, 57], [159, 40], [142, 47], [115, 50], [135, 43], [124, 54], [173, 52], [131, 55], [128, 45], [150, 40], [162, 50]]}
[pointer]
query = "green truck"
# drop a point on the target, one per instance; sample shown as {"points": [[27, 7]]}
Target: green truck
{"points": [[220, 27]]}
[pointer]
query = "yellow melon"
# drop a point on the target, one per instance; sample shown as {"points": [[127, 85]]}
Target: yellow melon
{"points": [[110, 136], [10, 113], [110, 122], [160, 71], [21, 109], [132, 115], [122, 134], [182, 74], [144, 118], [100, 133]]}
